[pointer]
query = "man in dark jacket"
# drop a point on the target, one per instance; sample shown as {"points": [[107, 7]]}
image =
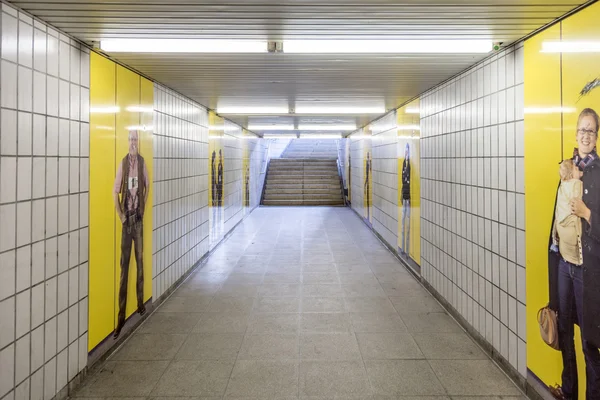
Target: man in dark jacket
{"points": [[577, 287], [406, 201], [130, 194]]}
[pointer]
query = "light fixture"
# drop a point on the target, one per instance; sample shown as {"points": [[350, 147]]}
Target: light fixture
{"points": [[140, 109], [412, 110], [317, 136], [182, 46], [316, 109], [253, 110], [142, 128], [271, 127], [549, 110], [290, 136], [387, 46], [309, 127], [409, 128], [105, 110], [570, 47]]}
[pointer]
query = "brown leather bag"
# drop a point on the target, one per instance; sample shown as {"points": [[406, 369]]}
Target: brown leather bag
{"points": [[548, 320]]}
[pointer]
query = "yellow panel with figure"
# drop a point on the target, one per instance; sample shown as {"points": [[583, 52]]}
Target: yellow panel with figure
{"points": [[121, 123], [409, 181], [216, 171], [368, 177], [562, 100]]}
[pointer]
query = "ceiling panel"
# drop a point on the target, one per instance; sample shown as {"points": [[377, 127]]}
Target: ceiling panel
{"points": [[264, 79]]}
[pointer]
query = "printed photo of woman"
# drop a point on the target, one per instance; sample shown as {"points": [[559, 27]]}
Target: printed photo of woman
{"points": [[574, 262]]}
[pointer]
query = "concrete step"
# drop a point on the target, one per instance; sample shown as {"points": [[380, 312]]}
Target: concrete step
{"points": [[303, 197], [302, 173], [305, 185], [302, 203], [303, 191]]}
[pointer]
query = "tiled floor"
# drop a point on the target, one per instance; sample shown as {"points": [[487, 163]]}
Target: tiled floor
{"points": [[300, 303]]}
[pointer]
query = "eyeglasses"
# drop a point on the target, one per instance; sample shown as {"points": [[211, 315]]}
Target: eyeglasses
{"points": [[587, 132]]}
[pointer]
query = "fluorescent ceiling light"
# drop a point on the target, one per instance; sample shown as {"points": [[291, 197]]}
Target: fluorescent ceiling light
{"points": [[139, 109], [315, 109], [182, 46], [317, 136], [266, 136], [271, 127], [309, 127], [143, 128], [105, 110], [570, 47], [411, 110], [549, 110], [253, 110], [409, 128], [387, 46]]}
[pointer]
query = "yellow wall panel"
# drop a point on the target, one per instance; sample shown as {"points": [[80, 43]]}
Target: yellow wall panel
{"points": [[120, 101], [102, 225], [552, 81]]}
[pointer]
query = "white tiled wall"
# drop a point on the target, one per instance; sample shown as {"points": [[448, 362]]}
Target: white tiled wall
{"points": [[44, 181], [180, 187], [385, 178], [383, 142], [472, 199], [357, 171], [234, 143]]}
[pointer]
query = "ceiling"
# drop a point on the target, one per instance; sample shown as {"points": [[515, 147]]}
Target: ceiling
{"points": [[215, 80]]}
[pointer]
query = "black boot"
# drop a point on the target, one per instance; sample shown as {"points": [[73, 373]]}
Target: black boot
{"points": [[118, 330]]}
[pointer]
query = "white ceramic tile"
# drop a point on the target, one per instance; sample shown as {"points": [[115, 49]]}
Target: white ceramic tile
{"points": [[39, 50], [75, 65], [8, 179], [52, 96], [75, 102], [7, 365], [62, 365], [51, 217], [39, 178], [39, 135], [7, 312], [22, 359], [50, 379], [8, 96], [63, 255], [63, 176], [8, 132], [73, 323], [51, 257], [63, 214], [52, 136], [38, 268], [85, 104], [63, 99], [23, 223], [64, 60], [9, 38], [25, 89], [74, 248], [23, 307], [37, 385], [39, 92], [51, 176], [83, 282], [52, 55], [85, 70], [24, 178], [37, 347], [23, 268], [50, 332], [62, 331], [25, 44], [74, 175], [84, 140]]}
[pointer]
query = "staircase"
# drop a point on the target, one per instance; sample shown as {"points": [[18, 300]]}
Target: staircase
{"points": [[306, 175], [311, 149]]}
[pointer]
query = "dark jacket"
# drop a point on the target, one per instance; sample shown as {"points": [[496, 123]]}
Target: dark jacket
{"points": [[406, 180], [590, 242]]}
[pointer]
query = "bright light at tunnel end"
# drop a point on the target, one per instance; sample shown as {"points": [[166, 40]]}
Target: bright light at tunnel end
{"points": [[295, 46]]}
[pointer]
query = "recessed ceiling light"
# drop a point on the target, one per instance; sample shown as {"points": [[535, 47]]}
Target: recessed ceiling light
{"points": [[253, 110], [312, 127], [387, 46], [182, 46]]}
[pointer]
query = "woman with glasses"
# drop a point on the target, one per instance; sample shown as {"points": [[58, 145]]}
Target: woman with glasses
{"points": [[575, 288]]}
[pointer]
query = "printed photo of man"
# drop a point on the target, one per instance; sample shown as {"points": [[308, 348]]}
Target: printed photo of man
{"points": [[130, 195]]}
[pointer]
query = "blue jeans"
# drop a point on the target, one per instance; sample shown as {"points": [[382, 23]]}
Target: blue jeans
{"points": [[570, 312]]}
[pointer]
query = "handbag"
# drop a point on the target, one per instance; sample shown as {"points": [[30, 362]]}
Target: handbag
{"points": [[548, 321]]}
